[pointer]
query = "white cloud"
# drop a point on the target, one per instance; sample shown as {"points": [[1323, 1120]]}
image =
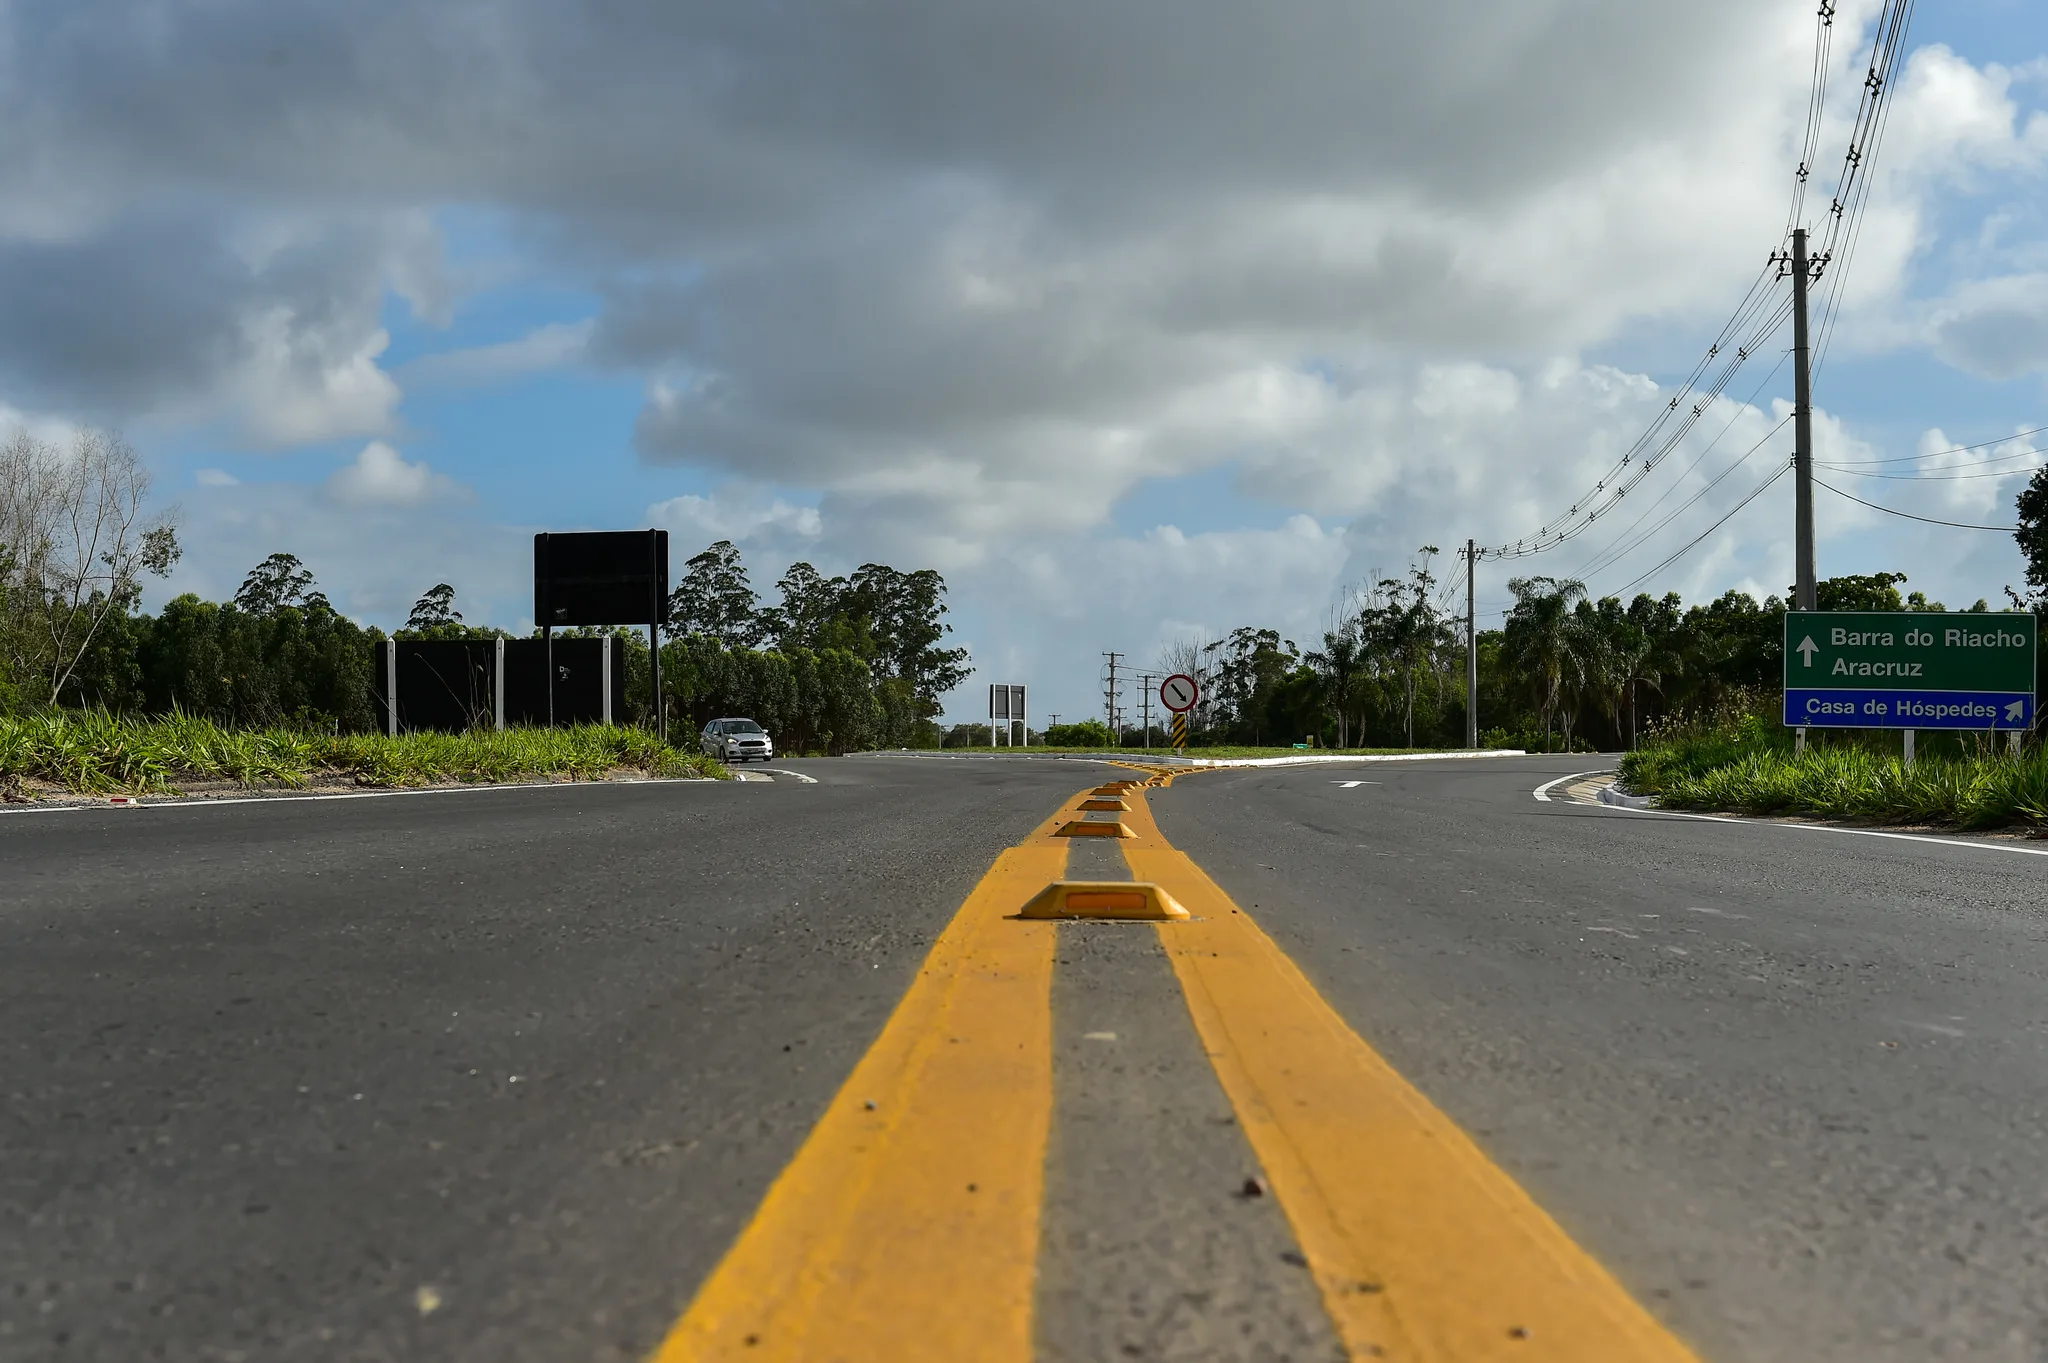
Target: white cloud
{"points": [[998, 271], [554, 346], [215, 478], [380, 476]]}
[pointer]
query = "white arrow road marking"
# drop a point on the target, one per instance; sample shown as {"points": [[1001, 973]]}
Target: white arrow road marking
{"points": [[1349, 784], [1807, 648]]}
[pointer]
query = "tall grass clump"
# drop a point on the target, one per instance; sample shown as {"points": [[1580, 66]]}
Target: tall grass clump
{"points": [[94, 752], [1741, 759]]}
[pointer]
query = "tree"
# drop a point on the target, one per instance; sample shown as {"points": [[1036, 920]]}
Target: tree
{"points": [[904, 614], [1544, 644], [1860, 592], [277, 582], [2032, 537], [811, 603], [1246, 670], [715, 599], [74, 544], [434, 610], [1339, 663]]}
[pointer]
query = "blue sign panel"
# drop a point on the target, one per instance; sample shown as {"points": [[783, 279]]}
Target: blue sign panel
{"points": [[1889, 709]]}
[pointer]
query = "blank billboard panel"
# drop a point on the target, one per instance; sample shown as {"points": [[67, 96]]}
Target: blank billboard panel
{"points": [[613, 577]]}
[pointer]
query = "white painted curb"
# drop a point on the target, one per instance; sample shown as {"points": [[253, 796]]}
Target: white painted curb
{"points": [[1612, 794]]}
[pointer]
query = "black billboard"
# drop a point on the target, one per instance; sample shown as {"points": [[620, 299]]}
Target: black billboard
{"points": [[455, 685], [445, 685], [609, 577], [590, 681]]}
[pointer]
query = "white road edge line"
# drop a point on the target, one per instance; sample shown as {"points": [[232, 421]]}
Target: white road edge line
{"points": [[1542, 793], [359, 795], [784, 771]]}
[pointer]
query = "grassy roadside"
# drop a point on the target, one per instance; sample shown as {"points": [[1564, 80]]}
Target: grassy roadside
{"points": [[1745, 764], [1140, 754], [95, 753]]}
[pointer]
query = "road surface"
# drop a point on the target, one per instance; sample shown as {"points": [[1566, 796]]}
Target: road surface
{"points": [[508, 1074]]}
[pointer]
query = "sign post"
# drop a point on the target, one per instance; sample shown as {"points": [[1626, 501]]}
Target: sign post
{"points": [[1179, 693], [1909, 670], [1006, 715]]}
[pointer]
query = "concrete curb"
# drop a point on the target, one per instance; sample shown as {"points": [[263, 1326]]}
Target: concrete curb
{"points": [[1612, 794]]}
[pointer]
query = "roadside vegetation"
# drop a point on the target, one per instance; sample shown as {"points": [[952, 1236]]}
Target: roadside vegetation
{"points": [[95, 753], [1740, 759]]}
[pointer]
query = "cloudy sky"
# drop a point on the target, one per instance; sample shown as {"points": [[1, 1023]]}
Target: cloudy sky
{"points": [[1138, 321]]}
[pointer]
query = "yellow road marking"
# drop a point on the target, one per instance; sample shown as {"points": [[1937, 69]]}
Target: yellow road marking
{"points": [[909, 1229], [1423, 1248]]}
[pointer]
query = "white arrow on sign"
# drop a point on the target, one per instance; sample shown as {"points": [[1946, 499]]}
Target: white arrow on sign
{"points": [[1807, 648], [2014, 711]]}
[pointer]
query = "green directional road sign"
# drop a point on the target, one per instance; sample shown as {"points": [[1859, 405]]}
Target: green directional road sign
{"points": [[1909, 669]]}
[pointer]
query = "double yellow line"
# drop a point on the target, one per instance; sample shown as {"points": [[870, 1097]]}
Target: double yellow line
{"points": [[907, 1226]]}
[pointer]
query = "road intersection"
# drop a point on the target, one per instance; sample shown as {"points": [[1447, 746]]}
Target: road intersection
{"points": [[550, 1073]]}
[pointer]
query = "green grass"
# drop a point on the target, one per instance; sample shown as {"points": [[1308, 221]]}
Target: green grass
{"points": [[1859, 786], [1743, 761], [93, 752]]}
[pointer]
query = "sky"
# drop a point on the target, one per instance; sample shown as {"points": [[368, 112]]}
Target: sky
{"points": [[1137, 322]]}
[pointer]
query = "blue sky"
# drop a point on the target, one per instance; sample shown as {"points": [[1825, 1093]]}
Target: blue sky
{"points": [[1227, 326]]}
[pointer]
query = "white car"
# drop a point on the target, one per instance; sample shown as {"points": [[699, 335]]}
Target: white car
{"points": [[736, 740]]}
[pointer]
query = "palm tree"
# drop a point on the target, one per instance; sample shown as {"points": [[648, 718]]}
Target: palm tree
{"points": [[1545, 644]]}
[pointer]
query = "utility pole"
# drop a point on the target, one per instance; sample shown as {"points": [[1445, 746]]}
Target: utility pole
{"points": [[1471, 649], [1805, 581], [1109, 699], [1802, 430], [1145, 705]]}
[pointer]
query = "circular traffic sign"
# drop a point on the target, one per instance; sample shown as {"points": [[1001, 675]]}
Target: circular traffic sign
{"points": [[1178, 692]]}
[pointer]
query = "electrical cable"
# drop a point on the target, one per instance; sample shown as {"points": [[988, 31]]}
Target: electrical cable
{"points": [[1930, 520], [1939, 477], [1686, 505], [1935, 454], [1608, 556], [1756, 492]]}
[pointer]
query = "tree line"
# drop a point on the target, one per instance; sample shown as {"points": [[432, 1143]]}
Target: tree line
{"points": [[835, 663], [1564, 670]]}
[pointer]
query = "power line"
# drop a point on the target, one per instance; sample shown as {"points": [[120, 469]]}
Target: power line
{"points": [[1603, 497], [1689, 502], [1609, 556], [1941, 477], [1852, 188], [1816, 103], [1956, 449], [1930, 520], [1755, 492]]}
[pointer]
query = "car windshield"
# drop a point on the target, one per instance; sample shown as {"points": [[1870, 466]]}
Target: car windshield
{"points": [[743, 726]]}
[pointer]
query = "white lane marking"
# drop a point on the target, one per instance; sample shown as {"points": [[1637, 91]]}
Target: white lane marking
{"points": [[797, 775], [1542, 792], [1353, 785], [363, 795]]}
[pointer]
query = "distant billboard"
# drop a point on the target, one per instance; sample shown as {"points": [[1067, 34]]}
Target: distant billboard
{"points": [[612, 577]]}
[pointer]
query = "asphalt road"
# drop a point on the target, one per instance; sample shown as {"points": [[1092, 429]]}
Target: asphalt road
{"points": [[501, 1074]]}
